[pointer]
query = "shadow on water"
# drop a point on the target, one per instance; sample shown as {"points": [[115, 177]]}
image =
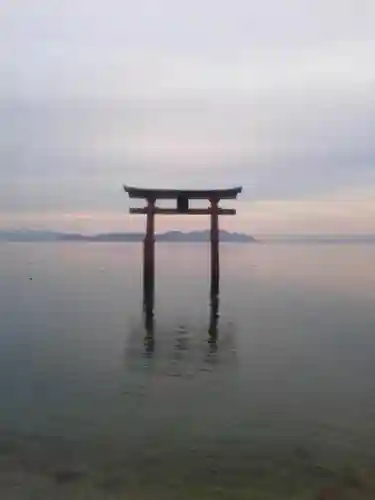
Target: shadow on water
{"points": [[214, 320], [182, 338], [183, 348], [149, 339], [148, 315]]}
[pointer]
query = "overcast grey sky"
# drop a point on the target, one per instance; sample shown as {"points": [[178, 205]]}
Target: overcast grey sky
{"points": [[277, 95]]}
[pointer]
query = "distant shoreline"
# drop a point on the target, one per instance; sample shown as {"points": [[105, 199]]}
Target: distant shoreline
{"points": [[170, 236], [35, 236]]}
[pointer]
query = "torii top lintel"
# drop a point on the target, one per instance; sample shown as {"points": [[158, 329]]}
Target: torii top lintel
{"points": [[192, 194]]}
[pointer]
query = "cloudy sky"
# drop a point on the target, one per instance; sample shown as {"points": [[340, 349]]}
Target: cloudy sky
{"points": [[274, 95]]}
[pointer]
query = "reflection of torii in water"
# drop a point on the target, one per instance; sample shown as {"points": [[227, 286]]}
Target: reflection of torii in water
{"points": [[148, 314], [214, 319]]}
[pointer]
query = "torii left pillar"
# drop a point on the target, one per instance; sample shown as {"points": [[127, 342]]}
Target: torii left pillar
{"points": [[149, 259]]}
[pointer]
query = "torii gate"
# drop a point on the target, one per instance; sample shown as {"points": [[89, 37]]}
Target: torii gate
{"points": [[182, 198]]}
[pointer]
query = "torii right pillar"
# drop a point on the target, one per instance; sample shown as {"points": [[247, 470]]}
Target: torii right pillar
{"points": [[215, 263]]}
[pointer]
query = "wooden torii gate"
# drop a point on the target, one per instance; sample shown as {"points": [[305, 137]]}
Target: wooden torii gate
{"points": [[182, 198]]}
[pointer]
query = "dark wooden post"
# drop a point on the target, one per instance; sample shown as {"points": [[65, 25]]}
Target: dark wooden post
{"points": [[215, 265], [214, 318], [149, 340], [149, 259]]}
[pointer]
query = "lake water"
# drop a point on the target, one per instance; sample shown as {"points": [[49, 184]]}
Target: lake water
{"points": [[283, 404]]}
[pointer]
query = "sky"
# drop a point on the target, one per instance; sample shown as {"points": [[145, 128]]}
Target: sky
{"points": [[277, 96]]}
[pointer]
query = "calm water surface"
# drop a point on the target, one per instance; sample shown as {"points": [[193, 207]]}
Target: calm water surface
{"points": [[291, 382]]}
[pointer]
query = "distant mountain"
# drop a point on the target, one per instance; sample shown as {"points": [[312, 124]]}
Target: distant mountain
{"points": [[110, 237], [29, 235], [171, 236], [203, 236]]}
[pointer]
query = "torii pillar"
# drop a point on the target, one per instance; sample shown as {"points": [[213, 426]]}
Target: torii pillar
{"points": [[214, 236]]}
